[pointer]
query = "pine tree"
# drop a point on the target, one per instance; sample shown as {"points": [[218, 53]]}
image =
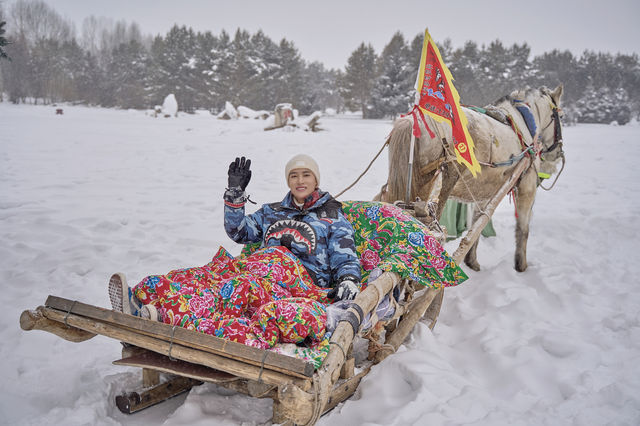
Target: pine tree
{"points": [[243, 71], [393, 90], [356, 84], [207, 45], [222, 70], [557, 67], [267, 72], [603, 105], [464, 67], [3, 41], [320, 89], [290, 85], [125, 76], [175, 66]]}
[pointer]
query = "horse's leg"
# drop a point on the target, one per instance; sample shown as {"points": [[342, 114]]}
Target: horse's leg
{"points": [[449, 178], [525, 196], [471, 258]]}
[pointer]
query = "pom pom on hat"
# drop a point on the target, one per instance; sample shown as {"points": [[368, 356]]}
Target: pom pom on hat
{"points": [[302, 161]]}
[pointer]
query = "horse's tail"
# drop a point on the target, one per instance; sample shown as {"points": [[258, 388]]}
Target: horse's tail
{"points": [[399, 146]]}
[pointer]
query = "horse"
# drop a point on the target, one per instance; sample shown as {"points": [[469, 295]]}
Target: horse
{"points": [[501, 137]]}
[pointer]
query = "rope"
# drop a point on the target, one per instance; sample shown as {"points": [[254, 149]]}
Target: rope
{"points": [[344, 354], [556, 179], [265, 392], [317, 410], [264, 357], [386, 142], [173, 331], [475, 202], [68, 312]]}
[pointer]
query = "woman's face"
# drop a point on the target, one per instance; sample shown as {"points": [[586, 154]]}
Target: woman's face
{"points": [[302, 182]]}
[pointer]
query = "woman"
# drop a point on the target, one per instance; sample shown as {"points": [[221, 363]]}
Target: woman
{"points": [[279, 293], [308, 221]]}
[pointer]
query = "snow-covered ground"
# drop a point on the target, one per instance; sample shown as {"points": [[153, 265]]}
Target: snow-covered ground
{"points": [[96, 191]]}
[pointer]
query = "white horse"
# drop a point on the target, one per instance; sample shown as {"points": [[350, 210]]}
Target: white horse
{"points": [[497, 148]]}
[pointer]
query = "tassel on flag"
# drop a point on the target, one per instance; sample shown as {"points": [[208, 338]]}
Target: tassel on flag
{"points": [[436, 96]]}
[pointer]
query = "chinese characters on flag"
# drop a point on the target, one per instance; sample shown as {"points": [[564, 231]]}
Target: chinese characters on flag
{"points": [[437, 97]]}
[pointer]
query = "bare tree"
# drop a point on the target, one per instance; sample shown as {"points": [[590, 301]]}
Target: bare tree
{"points": [[35, 20]]}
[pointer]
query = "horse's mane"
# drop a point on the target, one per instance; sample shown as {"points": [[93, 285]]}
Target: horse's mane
{"points": [[523, 93]]}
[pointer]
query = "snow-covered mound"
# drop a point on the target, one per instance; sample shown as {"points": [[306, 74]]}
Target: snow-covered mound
{"points": [[170, 106]]}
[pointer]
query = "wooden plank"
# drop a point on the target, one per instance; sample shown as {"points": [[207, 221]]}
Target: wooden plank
{"points": [[132, 402], [258, 357], [196, 356], [158, 362]]}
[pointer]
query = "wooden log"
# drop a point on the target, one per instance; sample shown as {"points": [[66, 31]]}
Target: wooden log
{"points": [[415, 311], [475, 230], [296, 405], [304, 407], [150, 377], [196, 356], [135, 401], [434, 308], [258, 357], [348, 368], [345, 390], [35, 320]]}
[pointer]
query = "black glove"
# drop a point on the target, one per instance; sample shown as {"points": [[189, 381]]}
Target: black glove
{"points": [[347, 289], [239, 173]]}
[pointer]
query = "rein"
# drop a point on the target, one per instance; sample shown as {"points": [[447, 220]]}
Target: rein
{"points": [[557, 176]]}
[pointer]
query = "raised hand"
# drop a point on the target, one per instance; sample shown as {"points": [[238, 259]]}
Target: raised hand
{"points": [[239, 173]]}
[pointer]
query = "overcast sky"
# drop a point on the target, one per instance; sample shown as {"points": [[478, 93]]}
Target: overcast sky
{"points": [[330, 30]]}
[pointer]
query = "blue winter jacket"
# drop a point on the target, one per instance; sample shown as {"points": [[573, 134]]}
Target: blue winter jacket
{"points": [[320, 236]]}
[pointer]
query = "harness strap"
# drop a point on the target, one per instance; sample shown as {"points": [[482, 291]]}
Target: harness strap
{"points": [[525, 111], [515, 128]]}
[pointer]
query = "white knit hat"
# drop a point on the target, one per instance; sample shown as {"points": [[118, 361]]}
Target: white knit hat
{"points": [[302, 161]]}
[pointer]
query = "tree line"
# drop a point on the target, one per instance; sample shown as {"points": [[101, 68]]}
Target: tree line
{"points": [[113, 64]]}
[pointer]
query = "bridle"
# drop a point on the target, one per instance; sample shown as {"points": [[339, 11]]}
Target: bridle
{"points": [[557, 132], [557, 141]]}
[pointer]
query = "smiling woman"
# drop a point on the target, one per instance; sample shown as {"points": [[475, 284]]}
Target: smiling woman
{"points": [[308, 221]]}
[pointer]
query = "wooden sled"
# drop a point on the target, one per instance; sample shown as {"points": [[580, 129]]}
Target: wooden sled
{"points": [[300, 394]]}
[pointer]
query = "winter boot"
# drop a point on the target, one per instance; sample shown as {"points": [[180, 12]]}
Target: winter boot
{"points": [[118, 289]]}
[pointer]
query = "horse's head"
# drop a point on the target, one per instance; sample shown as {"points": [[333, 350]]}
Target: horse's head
{"points": [[545, 104]]}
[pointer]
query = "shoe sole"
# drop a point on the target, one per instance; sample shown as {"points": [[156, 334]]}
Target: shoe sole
{"points": [[116, 292]]}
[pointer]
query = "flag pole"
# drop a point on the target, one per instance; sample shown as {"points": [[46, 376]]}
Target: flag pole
{"points": [[410, 172]]}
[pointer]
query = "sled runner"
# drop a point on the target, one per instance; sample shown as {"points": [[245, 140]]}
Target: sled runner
{"points": [[300, 392]]}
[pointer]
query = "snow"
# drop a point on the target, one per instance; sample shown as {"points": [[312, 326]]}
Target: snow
{"points": [[97, 191], [170, 106], [246, 112]]}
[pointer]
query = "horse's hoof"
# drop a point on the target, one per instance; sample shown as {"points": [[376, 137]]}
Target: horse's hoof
{"points": [[473, 265], [521, 268]]}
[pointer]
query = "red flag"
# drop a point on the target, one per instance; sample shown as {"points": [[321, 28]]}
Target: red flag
{"points": [[436, 96]]}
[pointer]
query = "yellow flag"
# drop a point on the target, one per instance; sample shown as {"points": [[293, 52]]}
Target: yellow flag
{"points": [[436, 96]]}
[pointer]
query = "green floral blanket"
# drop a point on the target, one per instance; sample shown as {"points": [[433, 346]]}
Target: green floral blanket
{"points": [[390, 239]]}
